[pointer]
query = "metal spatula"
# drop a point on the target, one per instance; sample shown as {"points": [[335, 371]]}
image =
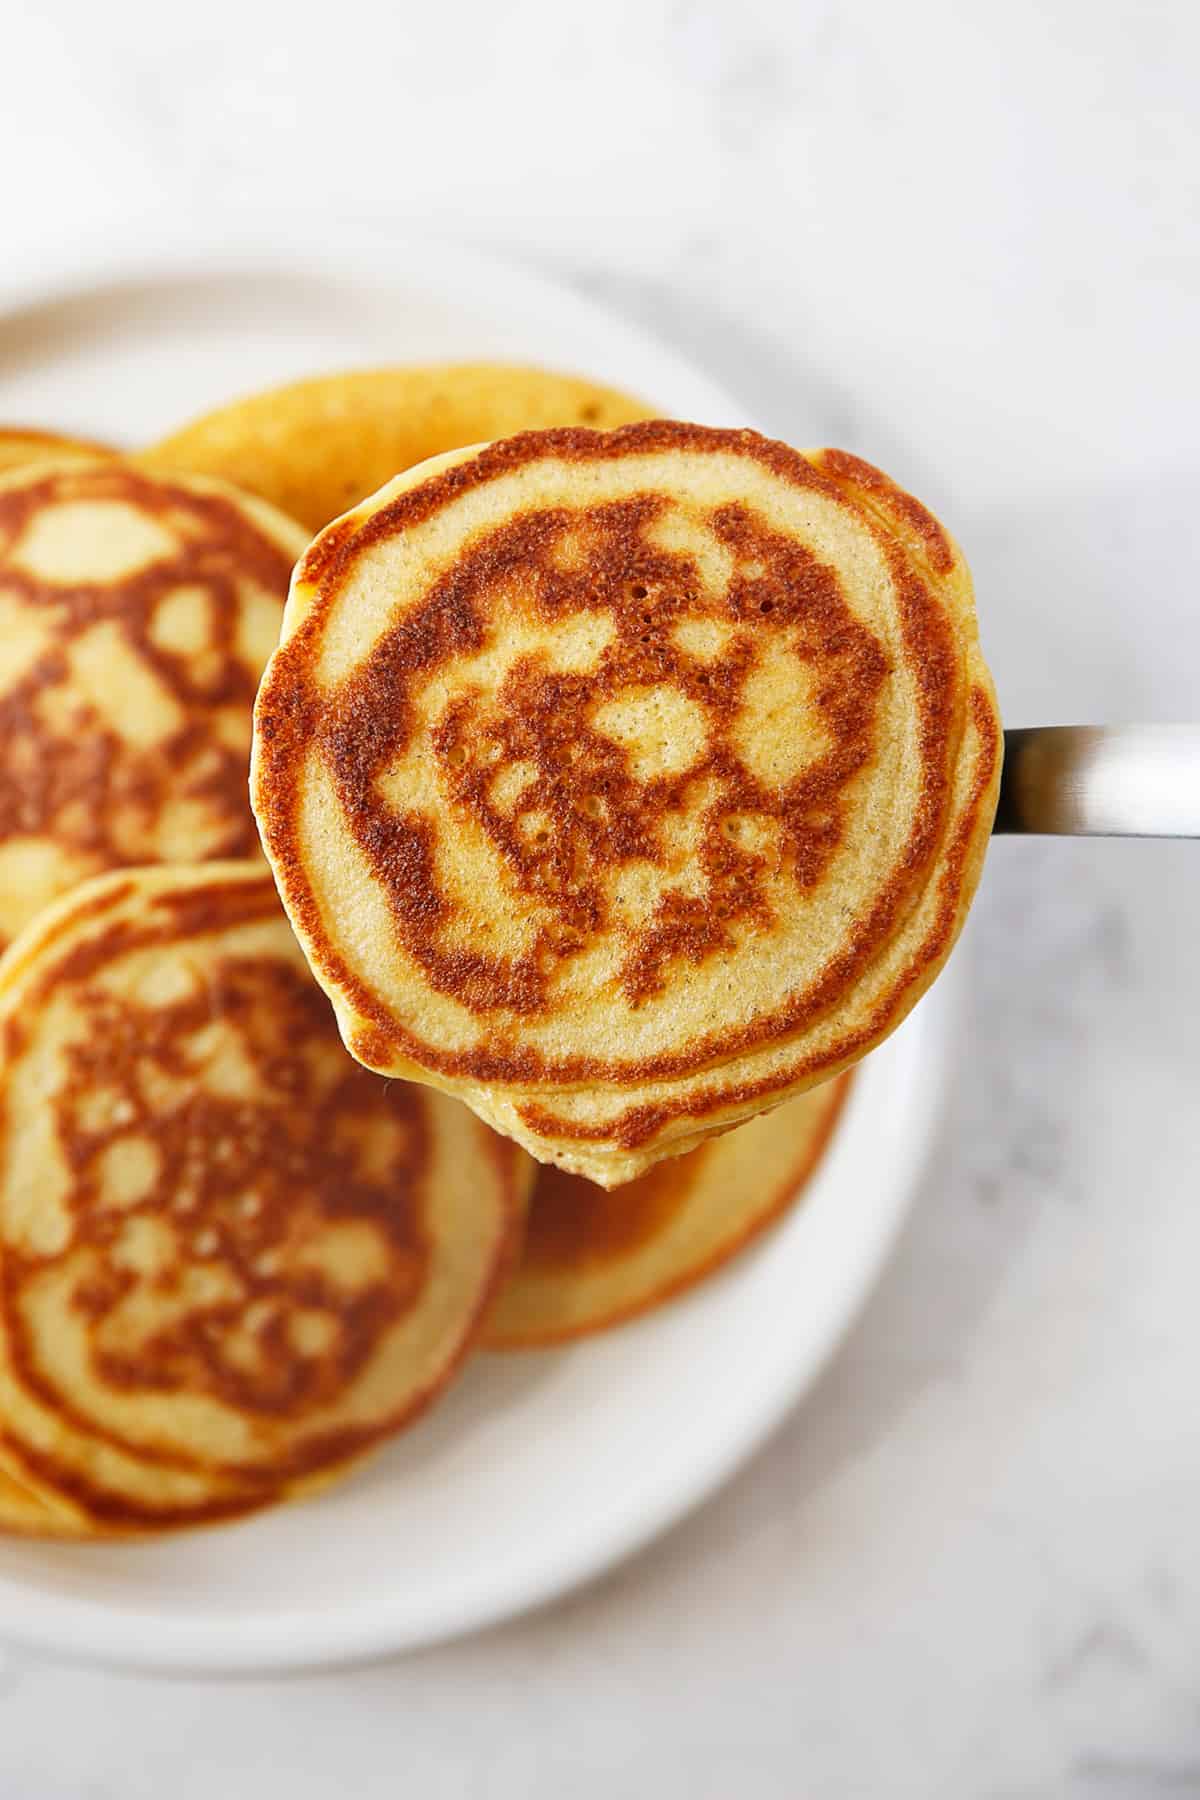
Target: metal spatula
{"points": [[1102, 781]]}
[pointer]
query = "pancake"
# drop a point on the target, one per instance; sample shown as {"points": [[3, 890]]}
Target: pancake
{"points": [[316, 447], [20, 445], [627, 783], [23, 1514], [593, 1259], [231, 1260], [135, 619]]}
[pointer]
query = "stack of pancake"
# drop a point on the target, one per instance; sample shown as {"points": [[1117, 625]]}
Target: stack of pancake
{"points": [[233, 1261]]}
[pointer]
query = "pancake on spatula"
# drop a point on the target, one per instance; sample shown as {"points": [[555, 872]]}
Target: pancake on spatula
{"points": [[136, 615], [316, 447], [21, 444], [231, 1260], [625, 783], [592, 1259]]}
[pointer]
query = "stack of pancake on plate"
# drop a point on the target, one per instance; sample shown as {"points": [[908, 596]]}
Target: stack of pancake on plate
{"points": [[625, 781]]}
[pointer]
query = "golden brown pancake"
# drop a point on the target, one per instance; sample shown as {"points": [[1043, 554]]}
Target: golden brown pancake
{"points": [[592, 1259], [136, 615], [24, 1514], [316, 447], [626, 783], [231, 1261], [23, 444]]}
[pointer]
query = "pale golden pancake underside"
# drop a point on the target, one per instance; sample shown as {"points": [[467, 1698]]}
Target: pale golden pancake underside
{"points": [[231, 1261], [20, 445], [625, 782], [316, 447], [135, 619], [593, 1259]]}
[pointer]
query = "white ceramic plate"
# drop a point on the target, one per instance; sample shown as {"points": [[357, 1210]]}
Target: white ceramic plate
{"points": [[539, 1470]]}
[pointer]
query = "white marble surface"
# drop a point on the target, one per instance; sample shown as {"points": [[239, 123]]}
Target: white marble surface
{"points": [[963, 240]]}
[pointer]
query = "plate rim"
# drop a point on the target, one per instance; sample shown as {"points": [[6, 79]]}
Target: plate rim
{"points": [[92, 1632], [46, 273]]}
